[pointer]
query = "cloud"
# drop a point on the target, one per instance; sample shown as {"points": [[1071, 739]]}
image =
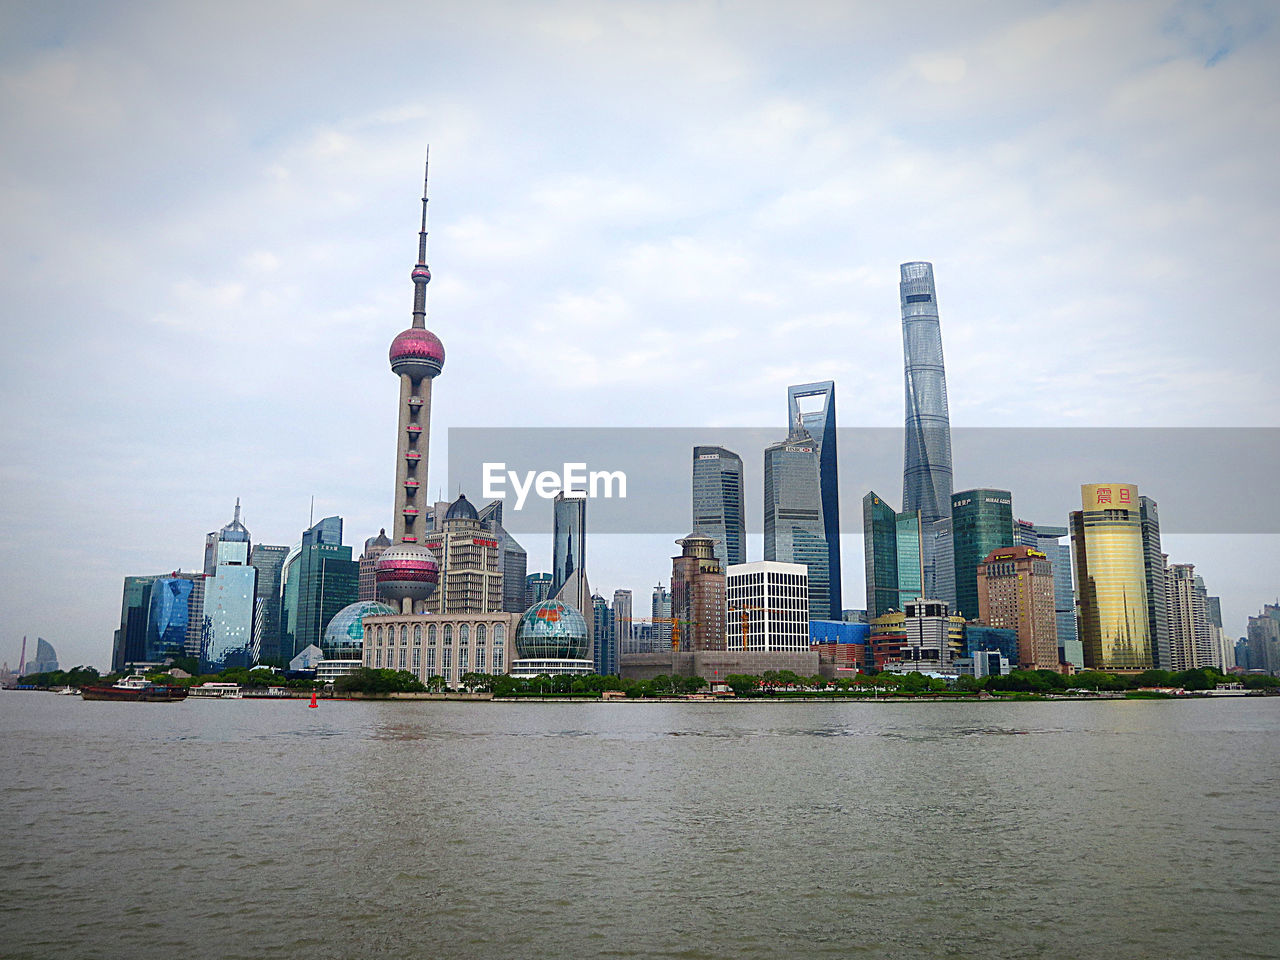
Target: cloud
{"points": [[641, 213]]}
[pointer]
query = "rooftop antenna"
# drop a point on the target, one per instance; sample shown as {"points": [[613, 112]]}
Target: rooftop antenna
{"points": [[312, 521], [237, 516]]}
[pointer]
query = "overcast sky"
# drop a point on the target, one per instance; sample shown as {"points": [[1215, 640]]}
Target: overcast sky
{"points": [[643, 214]]}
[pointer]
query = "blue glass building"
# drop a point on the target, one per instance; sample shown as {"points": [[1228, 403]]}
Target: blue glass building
{"points": [[167, 618], [978, 638], [793, 524], [820, 423], [718, 503]]}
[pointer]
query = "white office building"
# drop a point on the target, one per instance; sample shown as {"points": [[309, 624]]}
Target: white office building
{"points": [[768, 607]]}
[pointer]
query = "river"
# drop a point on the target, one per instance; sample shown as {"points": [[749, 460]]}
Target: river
{"points": [[247, 829]]}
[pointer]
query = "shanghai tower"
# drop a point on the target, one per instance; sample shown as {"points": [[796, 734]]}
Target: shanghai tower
{"points": [[926, 475]]}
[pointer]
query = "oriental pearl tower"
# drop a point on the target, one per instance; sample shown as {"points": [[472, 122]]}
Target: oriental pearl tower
{"points": [[406, 572]]}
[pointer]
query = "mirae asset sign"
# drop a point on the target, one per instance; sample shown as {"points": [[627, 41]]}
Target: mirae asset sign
{"points": [[575, 481]]}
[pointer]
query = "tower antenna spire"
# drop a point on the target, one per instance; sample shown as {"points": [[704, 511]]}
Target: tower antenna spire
{"points": [[421, 272]]}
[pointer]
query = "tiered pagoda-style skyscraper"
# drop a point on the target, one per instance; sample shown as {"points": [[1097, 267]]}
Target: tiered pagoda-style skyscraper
{"points": [[406, 572]]}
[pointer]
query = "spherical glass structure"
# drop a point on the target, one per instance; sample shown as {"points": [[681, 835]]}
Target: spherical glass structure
{"points": [[344, 637], [552, 630]]}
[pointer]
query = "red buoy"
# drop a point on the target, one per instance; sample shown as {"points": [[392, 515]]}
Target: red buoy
{"points": [[313, 700]]}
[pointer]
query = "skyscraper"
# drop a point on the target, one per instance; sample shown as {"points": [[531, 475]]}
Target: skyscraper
{"points": [[926, 476], [717, 502], [1015, 591], [469, 561], [767, 607], [319, 580], [130, 644], [268, 560], [981, 521], [910, 543], [698, 595], [1048, 540], [1155, 573], [1107, 551], [1191, 639], [514, 559], [605, 642], [880, 552], [569, 539], [820, 422], [660, 626], [623, 630], [794, 530], [168, 612], [537, 587], [229, 599], [46, 659], [406, 571]]}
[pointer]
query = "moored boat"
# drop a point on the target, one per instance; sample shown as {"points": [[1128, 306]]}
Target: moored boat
{"points": [[135, 688]]}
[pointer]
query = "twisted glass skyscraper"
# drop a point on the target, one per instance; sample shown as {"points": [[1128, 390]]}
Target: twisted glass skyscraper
{"points": [[926, 475]]}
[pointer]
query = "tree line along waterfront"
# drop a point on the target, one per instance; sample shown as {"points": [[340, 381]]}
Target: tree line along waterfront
{"points": [[770, 684]]}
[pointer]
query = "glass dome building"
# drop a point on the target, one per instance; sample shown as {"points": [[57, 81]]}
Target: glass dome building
{"points": [[344, 637], [552, 638]]}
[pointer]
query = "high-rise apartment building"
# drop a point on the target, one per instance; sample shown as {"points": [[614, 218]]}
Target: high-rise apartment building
{"points": [[1191, 637], [1262, 642], [718, 502], [697, 595], [1016, 591], [515, 561], [1111, 582], [767, 607], [820, 423], [794, 530], [1156, 574], [623, 628], [659, 639], [981, 521], [604, 653], [926, 478]]}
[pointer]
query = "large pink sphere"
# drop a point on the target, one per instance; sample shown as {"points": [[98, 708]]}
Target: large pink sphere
{"points": [[419, 353], [406, 571]]}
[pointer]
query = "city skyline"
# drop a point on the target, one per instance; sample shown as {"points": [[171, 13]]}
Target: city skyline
{"points": [[309, 225]]}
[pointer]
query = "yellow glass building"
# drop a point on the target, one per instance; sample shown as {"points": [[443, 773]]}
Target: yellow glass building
{"points": [[1106, 547]]}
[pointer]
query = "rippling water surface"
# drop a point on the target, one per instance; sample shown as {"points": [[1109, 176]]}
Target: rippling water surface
{"points": [[262, 829]]}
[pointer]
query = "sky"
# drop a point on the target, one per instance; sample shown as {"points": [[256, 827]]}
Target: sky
{"points": [[642, 214]]}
